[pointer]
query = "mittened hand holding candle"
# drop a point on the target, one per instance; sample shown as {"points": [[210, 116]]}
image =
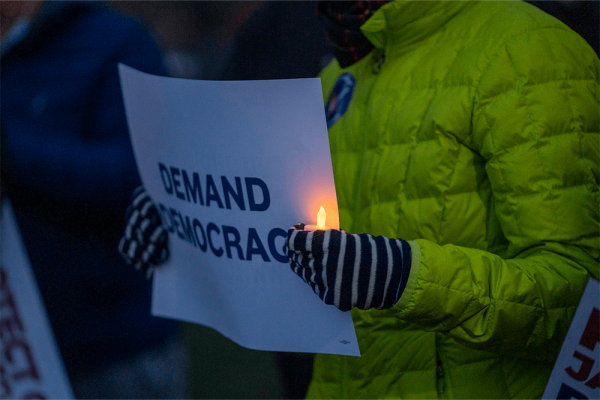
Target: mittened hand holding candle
{"points": [[348, 271], [145, 241]]}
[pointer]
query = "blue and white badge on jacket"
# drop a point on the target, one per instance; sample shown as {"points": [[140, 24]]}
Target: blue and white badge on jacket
{"points": [[339, 99]]}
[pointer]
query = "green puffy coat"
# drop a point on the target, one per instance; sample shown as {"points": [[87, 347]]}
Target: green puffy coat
{"points": [[477, 139]]}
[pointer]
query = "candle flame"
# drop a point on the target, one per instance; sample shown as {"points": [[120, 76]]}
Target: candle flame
{"points": [[321, 216]]}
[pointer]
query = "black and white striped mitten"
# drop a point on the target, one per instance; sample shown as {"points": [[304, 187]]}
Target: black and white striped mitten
{"points": [[145, 242], [349, 271]]}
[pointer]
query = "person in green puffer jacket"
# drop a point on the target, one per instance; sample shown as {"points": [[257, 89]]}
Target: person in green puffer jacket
{"points": [[466, 148], [469, 130]]}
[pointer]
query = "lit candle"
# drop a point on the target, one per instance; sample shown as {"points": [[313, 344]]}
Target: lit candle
{"points": [[320, 226]]}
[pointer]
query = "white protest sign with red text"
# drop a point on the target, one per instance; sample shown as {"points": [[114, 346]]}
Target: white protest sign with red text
{"points": [[30, 363], [576, 374]]}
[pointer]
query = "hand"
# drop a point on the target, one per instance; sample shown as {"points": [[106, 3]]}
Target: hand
{"points": [[145, 241], [350, 270]]}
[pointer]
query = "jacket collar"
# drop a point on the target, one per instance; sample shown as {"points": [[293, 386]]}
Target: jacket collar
{"points": [[408, 22]]}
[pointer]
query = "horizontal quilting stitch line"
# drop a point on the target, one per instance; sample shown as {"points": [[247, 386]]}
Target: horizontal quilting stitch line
{"points": [[416, 199], [438, 86], [377, 146], [470, 191], [505, 41], [466, 192], [452, 191], [533, 84], [544, 192], [532, 306], [503, 150], [407, 369], [409, 143]]}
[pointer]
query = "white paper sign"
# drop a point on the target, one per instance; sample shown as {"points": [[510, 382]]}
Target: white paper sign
{"points": [[232, 165], [30, 363], [576, 374]]}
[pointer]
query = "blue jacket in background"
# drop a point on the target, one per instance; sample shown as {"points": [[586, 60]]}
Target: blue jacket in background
{"points": [[69, 171]]}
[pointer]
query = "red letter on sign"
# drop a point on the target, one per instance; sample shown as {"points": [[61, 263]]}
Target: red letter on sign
{"points": [[10, 323], [6, 391], [591, 334], [585, 369], [594, 383], [30, 371]]}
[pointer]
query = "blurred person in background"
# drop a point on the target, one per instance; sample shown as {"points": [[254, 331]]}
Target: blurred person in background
{"points": [[68, 169], [195, 36], [281, 40]]}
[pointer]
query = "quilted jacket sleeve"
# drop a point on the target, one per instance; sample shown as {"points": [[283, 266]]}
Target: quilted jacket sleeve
{"points": [[536, 122]]}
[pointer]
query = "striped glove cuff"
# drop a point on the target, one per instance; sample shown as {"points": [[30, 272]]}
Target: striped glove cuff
{"points": [[349, 271], [145, 242]]}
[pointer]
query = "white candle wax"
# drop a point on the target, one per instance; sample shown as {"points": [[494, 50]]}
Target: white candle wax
{"points": [[320, 226]]}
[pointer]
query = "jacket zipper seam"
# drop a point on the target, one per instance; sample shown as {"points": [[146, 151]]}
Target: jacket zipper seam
{"points": [[440, 374]]}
